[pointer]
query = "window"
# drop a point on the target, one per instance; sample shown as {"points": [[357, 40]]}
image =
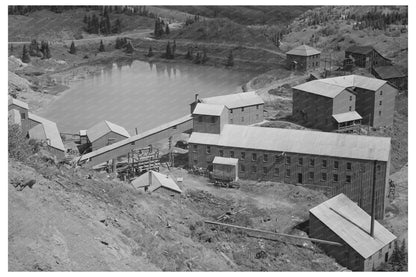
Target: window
{"points": [[379, 113], [276, 171], [232, 154], [265, 158], [23, 115], [265, 170], [212, 119], [254, 157], [208, 149], [311, 176], [348, 166], [300, 161], [335, 177], [390, 245], [242, 109], [380, 103], [231, 110], [350, 108], [324, 164], [243, 155], [221, 153], [336, 164], [195, 147], [242, 168], [350, 98], [287, 160], [200, 118], [348, 179], [381, 92], [311, 162], [323, 176], [287, 172], [254, 169]]}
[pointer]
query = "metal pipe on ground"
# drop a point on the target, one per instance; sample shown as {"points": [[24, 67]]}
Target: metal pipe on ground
{"points": [[273, 233]]}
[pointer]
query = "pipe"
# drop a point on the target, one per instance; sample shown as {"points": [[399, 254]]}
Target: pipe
{"points": [[373, 199], [274, 233]]}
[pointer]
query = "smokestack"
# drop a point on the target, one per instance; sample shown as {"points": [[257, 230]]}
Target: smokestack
{"points": [[150, 177], [137, 132], [196, 97], [373, 200]]}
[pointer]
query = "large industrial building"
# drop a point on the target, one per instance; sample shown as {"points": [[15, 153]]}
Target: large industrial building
{"points": [[342, 102], [336, 163], [303, 58], [365, 56], [340, 220]]}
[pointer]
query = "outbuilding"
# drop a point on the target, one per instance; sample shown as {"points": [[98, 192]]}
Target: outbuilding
{"points": [[23, 108], [225, 168], [153, 181], [303, 58], [105, 133], [341, 220]]}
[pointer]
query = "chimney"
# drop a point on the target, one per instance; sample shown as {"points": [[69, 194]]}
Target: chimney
{"points": [[196, 97], [373, 200], [137, 131], [150, 177]]}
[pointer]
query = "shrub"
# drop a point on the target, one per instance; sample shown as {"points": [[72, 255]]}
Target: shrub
{"points": [[20, 148]]}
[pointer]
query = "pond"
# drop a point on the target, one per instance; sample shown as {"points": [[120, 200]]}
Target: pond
{"points": [[139, 95]]}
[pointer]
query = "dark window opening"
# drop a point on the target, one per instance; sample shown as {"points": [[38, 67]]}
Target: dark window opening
{"points": [[232, 154], [323, 176], [265, 158], [335, 177], [336, 164], [312, 162], [221, 153]]}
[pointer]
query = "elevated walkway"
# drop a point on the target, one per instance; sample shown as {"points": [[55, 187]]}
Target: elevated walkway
{"points": [[123, 147]]}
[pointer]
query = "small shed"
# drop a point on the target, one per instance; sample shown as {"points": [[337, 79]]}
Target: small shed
{"points": [[341, 220], [105, 133], [225, 168], [347, 121], [152, 181]]}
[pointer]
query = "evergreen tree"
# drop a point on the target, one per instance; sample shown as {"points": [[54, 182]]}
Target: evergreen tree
{"points": [[44, 48], [204, 56], [230, 59], [72, 49], [117, 26], [85, 19], [107, 23], [150, 53], [25, 55], [129, 47], [34, 49], [173, 49], [189, 54], [167, 31], [197, 59], [168, 54], [11, 49], [101, 49]]}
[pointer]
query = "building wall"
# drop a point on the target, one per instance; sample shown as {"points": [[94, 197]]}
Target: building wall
{"points": [[312, 110], [384, 111], [344, 255], [246, 115], [104, 140], [364, 105], [357, 186], [24, 117], [343, 102], [226, 171], [303, 62], [379, 257], [378, 60], [209, 123]]}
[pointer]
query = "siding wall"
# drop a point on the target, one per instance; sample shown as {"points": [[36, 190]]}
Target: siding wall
{"points": [[303, 62], [207, 124], [343, 101], [246, 115], [24, 117], [104, 140], [358, 189]]}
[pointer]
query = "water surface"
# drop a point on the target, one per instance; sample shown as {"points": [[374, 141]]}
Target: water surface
{"points": [[139, 95]]}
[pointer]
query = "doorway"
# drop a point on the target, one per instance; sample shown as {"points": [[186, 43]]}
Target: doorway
{"points": [[300, 178]]}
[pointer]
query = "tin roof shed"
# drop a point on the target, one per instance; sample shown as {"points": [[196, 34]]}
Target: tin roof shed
{"points": [[352, 224], [348, 116], [226, 161], [104, 127], [303, 50]]}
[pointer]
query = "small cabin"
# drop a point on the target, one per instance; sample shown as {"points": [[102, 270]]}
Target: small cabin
{"points": [[225, 168], [153, 181], [105, 133]]}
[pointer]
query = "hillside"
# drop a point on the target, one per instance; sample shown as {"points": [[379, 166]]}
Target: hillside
{"points": [[248, 15]]}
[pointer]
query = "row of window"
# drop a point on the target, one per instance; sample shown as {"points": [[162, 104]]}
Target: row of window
{"points": [[311, 175]]}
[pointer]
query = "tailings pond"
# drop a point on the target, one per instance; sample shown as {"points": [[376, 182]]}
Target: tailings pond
{"points": [[139, 95]]}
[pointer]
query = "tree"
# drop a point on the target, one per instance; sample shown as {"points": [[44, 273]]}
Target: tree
{"points": [[44, 48], [117, 27], [25, 55], [72, 49], [85, 19], [150, 53], [189, 54], [101, 49], [197, 59], [173, 49], [168, 54], [34, 49], [230, 59], [204, 56], [11, 49], [167, 31], [129, 47]]}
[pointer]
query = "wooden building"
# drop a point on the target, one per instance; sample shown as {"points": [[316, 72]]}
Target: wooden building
{"points": [[303, 58], [209, 118], [225, 168], [105, 133], [47, 131], [332, 162], [391, 74], [317, 103], [341, 220], [244, 108], [365, 56], [153, 181], [23, 108]]}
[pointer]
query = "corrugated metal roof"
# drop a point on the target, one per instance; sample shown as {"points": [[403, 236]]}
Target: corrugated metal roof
{"points": [[298, 141], [303, 50], [50, 131], [352, 224], [389, 72], [223, 160], [348, 116], [165, 181], [104, 127], [331, 87], [208, 109], [235, 100], [14, 101], [14, 117], [364, 50]]}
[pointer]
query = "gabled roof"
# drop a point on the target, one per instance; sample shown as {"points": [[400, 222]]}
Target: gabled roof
{"points": [[161, 180], [46, 130], [389, 72], [14, 101], [236, 100], [298, 141], [303, 50], [208, 109], [348, 116], [223, 160], [352, 224], [331, 87], [364, 50], [104, 127]]}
